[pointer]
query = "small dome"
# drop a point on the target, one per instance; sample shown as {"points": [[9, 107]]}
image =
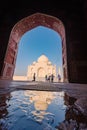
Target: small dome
{"points": [[49, 63], [43, 58], [34, 62]]}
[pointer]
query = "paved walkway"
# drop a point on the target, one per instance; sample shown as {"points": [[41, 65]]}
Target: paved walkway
{"points": [[72, 89]]}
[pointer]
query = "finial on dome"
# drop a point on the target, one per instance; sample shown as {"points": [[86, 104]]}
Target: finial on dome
{"points": [[43, 58]]}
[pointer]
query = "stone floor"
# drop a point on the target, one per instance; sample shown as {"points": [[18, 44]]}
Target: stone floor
{"points": [[77, 91], [72, 89]]}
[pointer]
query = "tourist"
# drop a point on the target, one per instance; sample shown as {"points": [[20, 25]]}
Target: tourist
{"points": [[49, 78], [34, 77], [52, 78], [59, 78], [45, 77]]}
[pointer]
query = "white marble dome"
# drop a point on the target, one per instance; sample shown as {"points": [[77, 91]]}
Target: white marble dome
{"points": [[49, 63], [34, 62], [43, 58]]}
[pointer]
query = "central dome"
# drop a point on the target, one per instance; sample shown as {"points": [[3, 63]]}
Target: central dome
{"points": [[43, 58]]}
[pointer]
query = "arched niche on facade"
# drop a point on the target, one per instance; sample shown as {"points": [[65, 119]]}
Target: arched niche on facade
{"points": [[41, 72], [24, 25]]}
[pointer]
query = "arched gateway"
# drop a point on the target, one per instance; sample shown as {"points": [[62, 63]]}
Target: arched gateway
{"points": [[24, 25]]}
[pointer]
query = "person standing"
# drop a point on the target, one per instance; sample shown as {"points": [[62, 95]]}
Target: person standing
{"points": [[52, 78], [48, 79], [34, 77], [45, 77], [59, 78]]}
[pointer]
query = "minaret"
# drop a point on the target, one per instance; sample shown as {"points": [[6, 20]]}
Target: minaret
{"points": [[59, 71]]}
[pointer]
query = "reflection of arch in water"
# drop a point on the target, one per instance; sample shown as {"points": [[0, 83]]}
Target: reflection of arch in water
{"points": [[41, 72], [3, 105]]}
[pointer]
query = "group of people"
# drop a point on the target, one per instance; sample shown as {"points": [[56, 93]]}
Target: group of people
{"points": [[49, 78]]}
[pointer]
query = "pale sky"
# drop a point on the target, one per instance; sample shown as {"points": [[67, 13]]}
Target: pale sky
{"points": [[33, 44]]}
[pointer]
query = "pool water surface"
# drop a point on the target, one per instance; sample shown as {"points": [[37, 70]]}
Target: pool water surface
{"points": [[32, 110]]}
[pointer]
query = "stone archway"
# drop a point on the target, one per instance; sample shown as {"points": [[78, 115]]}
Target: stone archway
{"points": [[24, 25], [41, 72]]}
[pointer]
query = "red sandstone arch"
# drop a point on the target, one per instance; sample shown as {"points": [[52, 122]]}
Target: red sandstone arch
{"points": [[24, 25]]}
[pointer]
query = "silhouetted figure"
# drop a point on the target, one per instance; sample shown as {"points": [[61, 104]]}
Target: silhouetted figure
{"points": [[52, 78], [48, 78], [59, 78], [34, 77], [45, 77]]}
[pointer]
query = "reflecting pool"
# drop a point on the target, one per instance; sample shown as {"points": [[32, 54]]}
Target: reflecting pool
{"points": [[31, 110]]}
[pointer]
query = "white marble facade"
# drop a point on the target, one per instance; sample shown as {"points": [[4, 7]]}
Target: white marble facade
{"points": [[41, 68]]}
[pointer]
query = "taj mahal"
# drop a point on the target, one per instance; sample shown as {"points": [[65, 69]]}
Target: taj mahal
{"points": [[41, 68]]}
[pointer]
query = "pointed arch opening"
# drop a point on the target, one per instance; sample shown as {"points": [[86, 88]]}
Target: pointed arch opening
{"points": [[24, 25]]}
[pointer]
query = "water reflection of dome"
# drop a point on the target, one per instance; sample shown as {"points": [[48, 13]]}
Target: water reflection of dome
{"points": [[31, 99], [43, 58], [41, 99], [48, 100], [40, 105]]}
